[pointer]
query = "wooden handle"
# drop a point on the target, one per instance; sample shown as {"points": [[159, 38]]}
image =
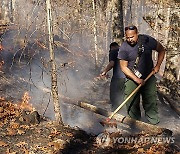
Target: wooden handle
{"points": [[135, 90]]}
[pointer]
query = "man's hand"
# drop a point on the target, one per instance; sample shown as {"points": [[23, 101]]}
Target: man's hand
{"points": [[156, 69], [139, 81], [103, 74]]}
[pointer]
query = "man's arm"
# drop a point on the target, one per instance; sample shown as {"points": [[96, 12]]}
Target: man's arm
{"points": [[129, 73], [161, 53], [108, 68]]}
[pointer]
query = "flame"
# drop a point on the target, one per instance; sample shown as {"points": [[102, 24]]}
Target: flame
{"points": [[1, 47], [25, 105]]}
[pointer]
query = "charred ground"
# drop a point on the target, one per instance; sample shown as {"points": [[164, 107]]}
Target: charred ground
{"points": [[18, 136]]}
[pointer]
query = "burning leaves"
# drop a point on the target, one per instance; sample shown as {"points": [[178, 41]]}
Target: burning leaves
{"points": [[9, 112], [1, 47], [25, 103], [19, 136]]}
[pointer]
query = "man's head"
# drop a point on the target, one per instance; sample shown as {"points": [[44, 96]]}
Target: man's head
{"points": [[114, 46], [131, 33]]}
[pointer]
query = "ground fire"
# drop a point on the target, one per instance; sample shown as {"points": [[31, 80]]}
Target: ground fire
{"points": [[25, 105], [45, 137]]}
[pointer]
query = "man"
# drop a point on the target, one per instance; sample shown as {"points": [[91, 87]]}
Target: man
{"points": [[118, 78], [136, 62]]}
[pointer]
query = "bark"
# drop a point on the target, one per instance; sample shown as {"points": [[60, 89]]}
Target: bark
{"points": [[80, 10], [95, 33], [109, 24], [5, 12], [170, 78], [165, 23], [54, 87], [118, 28]]}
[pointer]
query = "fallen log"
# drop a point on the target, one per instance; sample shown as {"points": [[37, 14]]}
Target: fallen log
{"points": [[134, 124]]}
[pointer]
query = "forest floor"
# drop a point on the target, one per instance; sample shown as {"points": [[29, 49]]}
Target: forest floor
{"points": [[23, 132], [18, 136]]}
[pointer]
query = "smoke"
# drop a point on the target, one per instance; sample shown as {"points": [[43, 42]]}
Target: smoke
{"points": [[26, 58], [83, 119]]}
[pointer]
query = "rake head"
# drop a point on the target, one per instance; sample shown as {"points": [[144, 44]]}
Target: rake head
{"points": [[109, 123]]}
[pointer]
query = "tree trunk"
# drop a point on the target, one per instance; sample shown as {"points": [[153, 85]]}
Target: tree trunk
{"points": [[170, 78], [118, 28], [80, 4], [109, 24], [95, 33], [54, 87], [5, 12]]}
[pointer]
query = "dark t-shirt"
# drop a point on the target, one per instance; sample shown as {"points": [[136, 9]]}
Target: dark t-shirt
{"points": [[117, 73], [129, 53]]}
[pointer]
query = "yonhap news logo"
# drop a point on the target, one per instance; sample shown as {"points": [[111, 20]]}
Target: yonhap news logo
{"points": [[105, 140], [143, 140]]}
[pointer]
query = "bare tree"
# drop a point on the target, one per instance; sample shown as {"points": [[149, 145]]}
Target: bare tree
{"points": [[171, 74], [164, 22], [54, 86], [118, 28], [95, 32]]}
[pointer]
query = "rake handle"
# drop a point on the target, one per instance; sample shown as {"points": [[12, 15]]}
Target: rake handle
{"points": [[124, 102]]}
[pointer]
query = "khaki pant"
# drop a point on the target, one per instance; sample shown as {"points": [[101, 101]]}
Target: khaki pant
{"points": [[149, 100]]}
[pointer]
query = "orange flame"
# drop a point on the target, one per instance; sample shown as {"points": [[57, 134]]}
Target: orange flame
{"points": [[1, 47], [25, 102]]}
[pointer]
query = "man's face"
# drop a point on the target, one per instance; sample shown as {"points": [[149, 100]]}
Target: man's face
{"points": [[131, 37]]}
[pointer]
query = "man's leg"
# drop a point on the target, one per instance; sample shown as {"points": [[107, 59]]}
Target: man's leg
{"points": [[149, 97], [133, 104], [116, 92]]}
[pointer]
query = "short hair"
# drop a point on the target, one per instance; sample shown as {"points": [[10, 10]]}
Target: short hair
{"points": [[113, 44], [131, 27]]}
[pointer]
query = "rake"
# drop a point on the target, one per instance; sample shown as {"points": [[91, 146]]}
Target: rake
{"points": [[107, 121]]}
